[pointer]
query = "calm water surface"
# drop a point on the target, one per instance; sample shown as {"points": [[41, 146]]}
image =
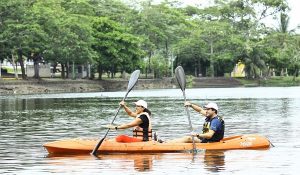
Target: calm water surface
{"points": [[29, 121]]}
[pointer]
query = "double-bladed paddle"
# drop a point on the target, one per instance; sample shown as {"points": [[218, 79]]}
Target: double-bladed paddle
{"points": [[132, 81], [180, 76]]}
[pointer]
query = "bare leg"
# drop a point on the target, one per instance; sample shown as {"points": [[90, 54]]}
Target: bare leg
{"points": [[185, 139]]}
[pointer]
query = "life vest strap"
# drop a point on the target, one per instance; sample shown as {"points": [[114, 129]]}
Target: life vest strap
{"points": [[137, 133]]}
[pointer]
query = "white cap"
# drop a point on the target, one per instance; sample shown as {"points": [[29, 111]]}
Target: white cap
{"points": [[212, 105], [141, 103]]}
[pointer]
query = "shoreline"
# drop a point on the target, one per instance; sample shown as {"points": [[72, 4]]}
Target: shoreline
{"points": [[56, 85], [49, 86]]}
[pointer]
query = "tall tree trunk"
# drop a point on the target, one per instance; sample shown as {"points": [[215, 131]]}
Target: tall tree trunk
{"points": [[172, 64], [167, 49], [15, 67], [67, 69], [63, 71], [100, 72], [20, 59], [112, 69], [0, 69], [73, 71], [211, 59], [148, 67], [199, 72], [88, 73], [36, 60], [295, 73], [36, 70], [54, 70]]}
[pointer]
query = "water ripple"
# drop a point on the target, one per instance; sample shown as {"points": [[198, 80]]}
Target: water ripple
{"points": [[27, 122]]}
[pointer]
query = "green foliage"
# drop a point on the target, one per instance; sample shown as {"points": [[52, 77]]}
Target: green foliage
{"points": [[115, 46], [116, 36], [160, 66], [189, 81]]}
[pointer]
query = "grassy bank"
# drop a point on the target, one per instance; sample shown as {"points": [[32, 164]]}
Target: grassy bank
{"points": [[57, 85], [272, 81]]}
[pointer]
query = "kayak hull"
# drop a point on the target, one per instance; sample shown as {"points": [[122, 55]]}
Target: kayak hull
{"points": [[84, 146]]}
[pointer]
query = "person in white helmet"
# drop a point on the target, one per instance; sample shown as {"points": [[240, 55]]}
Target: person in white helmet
{"points": [[141, 123], [213, 127]]}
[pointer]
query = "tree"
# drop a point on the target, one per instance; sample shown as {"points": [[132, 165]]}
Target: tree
{"points": [[69, 25], [161, 26], [245, 18], [20, 33], [295, 59], [115, 46]]}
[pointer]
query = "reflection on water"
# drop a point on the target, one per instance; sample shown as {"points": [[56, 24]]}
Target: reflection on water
{"points": [[139, 162], [29, 121], [214, 160], [143, 164]]}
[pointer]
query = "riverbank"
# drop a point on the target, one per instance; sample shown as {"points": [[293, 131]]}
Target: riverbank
{"points": [[56, 85], [272, 81], [53, 85]]}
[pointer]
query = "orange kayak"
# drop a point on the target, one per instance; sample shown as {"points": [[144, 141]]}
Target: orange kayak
{"points": [[83, 146]]}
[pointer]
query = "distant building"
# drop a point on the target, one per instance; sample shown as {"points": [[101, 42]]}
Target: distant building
{"points": [[238, 70], [44, 70]]}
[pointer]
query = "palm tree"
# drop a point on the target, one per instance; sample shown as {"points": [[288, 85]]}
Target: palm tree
{"points": [[283, 39], [296, 58], [254, 62]]}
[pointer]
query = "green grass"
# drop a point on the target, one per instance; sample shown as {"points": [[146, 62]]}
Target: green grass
{"points": [[10, 69], [273, 81], [281, 81]]}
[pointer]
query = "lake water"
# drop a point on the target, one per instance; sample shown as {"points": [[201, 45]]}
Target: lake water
{"points": [[29, 121]]}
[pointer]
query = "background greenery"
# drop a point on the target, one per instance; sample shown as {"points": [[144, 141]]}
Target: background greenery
{"points": [[116, 36]]}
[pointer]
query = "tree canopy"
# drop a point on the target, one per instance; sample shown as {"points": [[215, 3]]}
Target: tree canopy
{"points": [[116, 36]]}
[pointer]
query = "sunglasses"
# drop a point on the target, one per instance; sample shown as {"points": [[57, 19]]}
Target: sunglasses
{"points": [[139, 106]]}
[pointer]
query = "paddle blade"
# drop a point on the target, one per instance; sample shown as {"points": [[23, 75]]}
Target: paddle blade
{"points": [[94, 152], [133, 79], [180, 76]]}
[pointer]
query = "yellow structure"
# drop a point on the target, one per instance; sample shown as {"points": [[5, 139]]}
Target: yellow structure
{"points": [[238, 70]]}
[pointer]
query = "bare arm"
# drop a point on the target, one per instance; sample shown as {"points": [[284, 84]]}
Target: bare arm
{"points": [[127, 109], [207, 135], [135, 122], [196, 108]]}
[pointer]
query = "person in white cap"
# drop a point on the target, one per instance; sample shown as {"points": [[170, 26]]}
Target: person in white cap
{"points": [[141, 123], [213, 127]]}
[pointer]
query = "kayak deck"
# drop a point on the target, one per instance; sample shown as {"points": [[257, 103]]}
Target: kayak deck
{"points": [[83, 146]]}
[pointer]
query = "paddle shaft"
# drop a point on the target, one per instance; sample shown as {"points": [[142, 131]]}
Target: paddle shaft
{"points": [[94, 152], [132, 81], [188, 113], [190, 123], [180, 76]]}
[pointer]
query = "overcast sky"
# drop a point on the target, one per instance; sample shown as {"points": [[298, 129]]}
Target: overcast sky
{"points": [[294, 13]]}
